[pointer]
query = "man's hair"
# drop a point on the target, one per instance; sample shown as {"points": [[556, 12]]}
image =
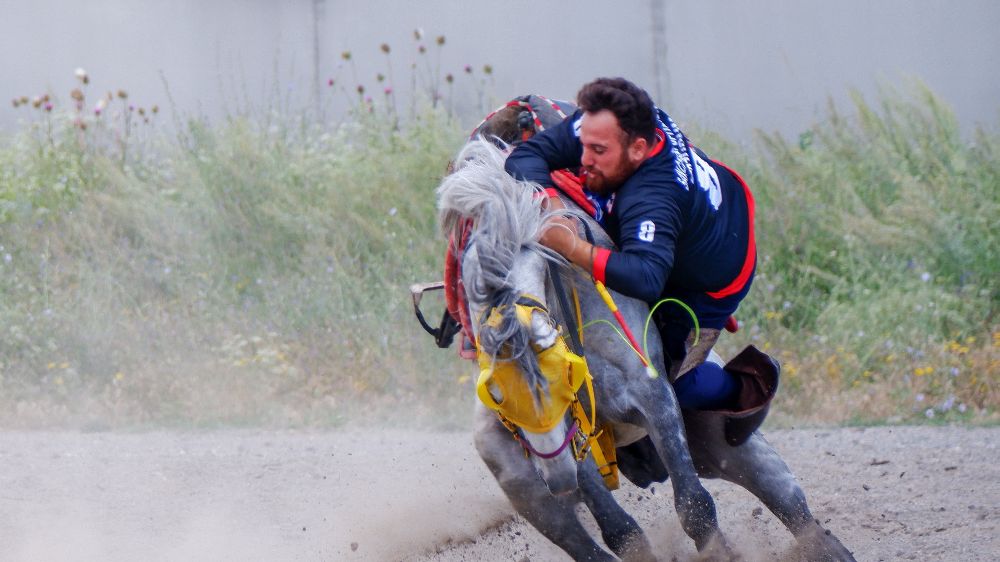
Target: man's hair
{"points": [[629, 103]]}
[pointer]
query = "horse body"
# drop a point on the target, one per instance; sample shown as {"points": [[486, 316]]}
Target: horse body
{"points": [[502, 262]]}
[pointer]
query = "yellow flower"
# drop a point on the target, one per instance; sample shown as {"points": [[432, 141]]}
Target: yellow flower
{"points": [[119, 376]]}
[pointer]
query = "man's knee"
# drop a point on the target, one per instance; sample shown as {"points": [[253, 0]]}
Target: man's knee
{"points": [[707, 387]]}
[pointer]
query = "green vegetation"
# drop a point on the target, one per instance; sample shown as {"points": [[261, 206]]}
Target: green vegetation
{"points": [[879, 273], [257, 270]]}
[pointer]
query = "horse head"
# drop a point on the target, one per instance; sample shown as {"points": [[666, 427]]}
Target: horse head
{"points": [[522, 356]]}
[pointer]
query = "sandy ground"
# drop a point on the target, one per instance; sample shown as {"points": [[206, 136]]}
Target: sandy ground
{"points": [[903, 493]]}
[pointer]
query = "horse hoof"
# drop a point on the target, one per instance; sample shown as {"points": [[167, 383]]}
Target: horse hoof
{"points": [[820, 545], [637, 549], [716, 549]]}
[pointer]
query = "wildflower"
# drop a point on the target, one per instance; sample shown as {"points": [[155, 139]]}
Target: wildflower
{"points": [[449, 78], [385, 48], [929, 413], [388, 90], [392, 212], [48, 106], [440, 40], [468, 69], [948, 403], [329, 82], [346, 55], [925, 277], [142, 112], [418, 33], [100, 105], [36, 102], [962, 407], [23, 100], [81, 75], [16, 102], [361, 89], [119, 376], [487, 69], [919, 397], [954, 371], [122, 94], [155, 109], [421, 49], [380, 77]]}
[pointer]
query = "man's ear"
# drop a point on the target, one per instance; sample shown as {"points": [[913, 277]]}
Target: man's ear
{"points": [[637, 150]]}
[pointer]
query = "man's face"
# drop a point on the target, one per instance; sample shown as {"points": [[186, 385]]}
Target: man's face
{"points": [[608, 159]]}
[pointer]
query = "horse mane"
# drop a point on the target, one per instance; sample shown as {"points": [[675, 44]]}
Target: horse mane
{"points": [[507, 217], [506, 213]]}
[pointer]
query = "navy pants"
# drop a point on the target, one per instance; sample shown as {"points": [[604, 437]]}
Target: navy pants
{"points": [[707, 387]]}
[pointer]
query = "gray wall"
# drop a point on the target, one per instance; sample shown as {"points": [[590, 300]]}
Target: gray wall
{"points": [[733, 66]]}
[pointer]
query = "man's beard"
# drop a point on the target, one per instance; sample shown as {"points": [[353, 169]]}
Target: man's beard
{"points": [[604, 185]]}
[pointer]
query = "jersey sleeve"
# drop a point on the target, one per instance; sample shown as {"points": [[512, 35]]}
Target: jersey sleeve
{"points": [[552, 149], [650, 223]]}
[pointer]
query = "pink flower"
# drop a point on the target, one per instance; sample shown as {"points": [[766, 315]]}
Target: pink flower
{"points": [[329, 82], [388, 90]]}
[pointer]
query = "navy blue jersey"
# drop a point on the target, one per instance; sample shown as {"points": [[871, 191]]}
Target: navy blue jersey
{"points": [[682, 224]]}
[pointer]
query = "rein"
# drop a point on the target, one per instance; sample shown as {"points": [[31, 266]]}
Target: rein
{"points": [[529, 449]]}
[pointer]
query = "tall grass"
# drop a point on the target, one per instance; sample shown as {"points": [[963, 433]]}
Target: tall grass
{"points": [[256, 270], [879, 273]]}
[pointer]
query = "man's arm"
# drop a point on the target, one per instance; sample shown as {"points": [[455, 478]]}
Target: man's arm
{"points": [[649, 229], [552, 149]]}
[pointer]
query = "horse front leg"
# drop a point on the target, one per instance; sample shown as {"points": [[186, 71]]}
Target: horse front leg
{"points": [[554, 517], [758, 468], [620, 531], [661, 417]]}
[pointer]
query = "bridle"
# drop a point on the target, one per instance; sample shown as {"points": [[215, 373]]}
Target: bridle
{"points": [[567, 375]]}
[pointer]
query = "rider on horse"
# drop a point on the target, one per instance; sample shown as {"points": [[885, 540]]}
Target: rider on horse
{"points": [[682, 224]]}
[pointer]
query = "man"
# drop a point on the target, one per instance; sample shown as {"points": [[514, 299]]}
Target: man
{"points": [[682, 223]]}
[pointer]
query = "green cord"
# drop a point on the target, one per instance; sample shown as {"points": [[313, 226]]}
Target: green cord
{"points": [[645, 332]]}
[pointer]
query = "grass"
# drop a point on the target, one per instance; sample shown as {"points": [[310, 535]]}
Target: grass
{"points": [[878, 286], [255, 271]]}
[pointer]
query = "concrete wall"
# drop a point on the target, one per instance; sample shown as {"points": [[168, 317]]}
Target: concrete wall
{"points": [[733, 66]]}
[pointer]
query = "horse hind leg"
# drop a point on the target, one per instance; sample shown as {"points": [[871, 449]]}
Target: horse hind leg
{"points": [[554, 517], [620, 531], [758, 468]]}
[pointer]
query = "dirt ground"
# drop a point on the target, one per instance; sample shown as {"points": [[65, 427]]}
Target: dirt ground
{"points": [[889, 493]]}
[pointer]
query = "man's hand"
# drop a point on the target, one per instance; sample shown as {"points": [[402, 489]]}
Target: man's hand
{"points": [[560, 235]]}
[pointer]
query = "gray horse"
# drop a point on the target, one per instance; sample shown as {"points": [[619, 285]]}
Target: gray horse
{"points": [[504, 261]]}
